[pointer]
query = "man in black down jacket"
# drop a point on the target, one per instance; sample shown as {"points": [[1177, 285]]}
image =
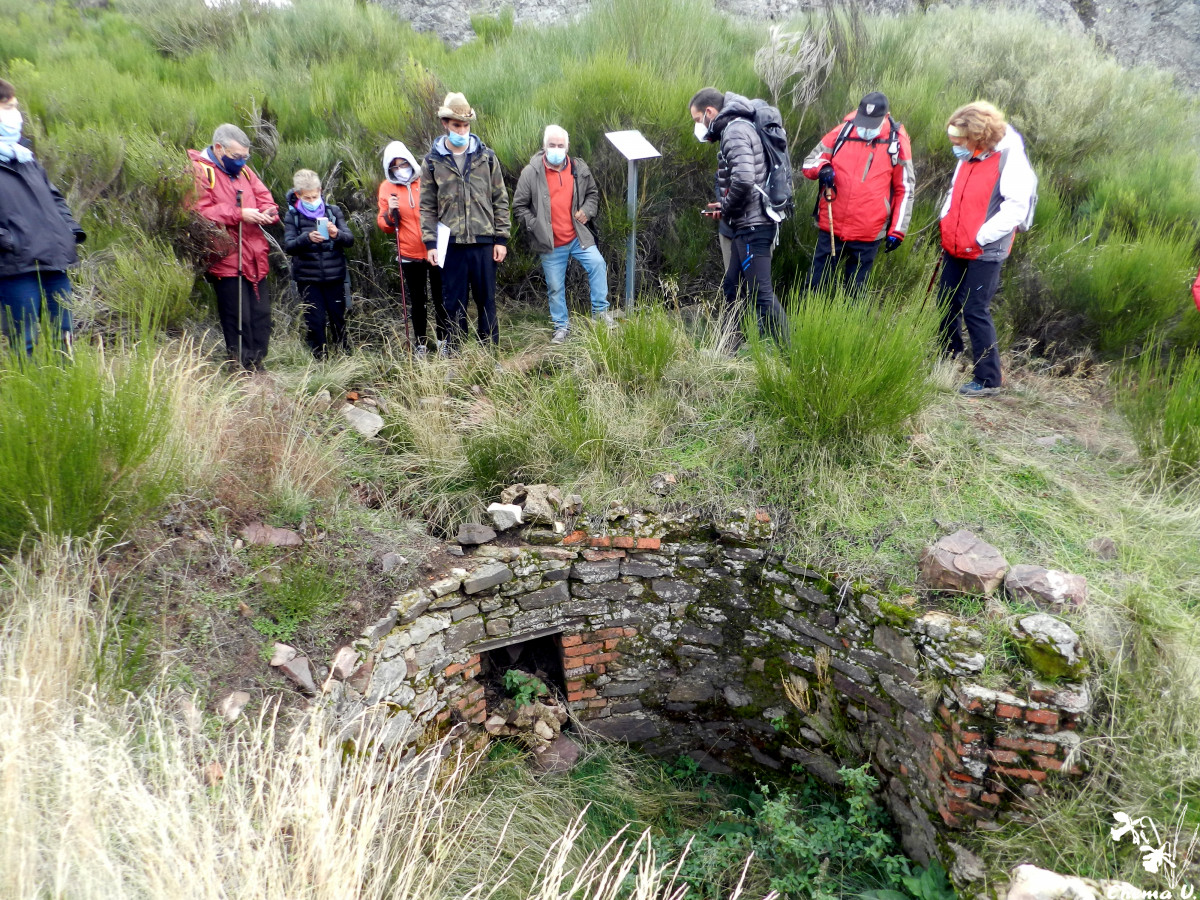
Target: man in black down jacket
{"points": [[741, 174], [318, 260], [38, 235]]}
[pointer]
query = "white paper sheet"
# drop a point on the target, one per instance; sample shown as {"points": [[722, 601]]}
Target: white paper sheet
{"points": [[443, 244], [632, 145]]}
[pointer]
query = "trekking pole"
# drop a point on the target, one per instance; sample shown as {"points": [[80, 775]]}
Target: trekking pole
{"points": [[241, 361], [829, 207], [932, 278], [408, 348]]}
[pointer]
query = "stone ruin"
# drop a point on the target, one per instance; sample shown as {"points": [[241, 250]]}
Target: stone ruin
{"points": [[686, 636]]}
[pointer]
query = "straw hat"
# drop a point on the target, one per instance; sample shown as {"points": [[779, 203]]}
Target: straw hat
{"points": [[455, 106]]}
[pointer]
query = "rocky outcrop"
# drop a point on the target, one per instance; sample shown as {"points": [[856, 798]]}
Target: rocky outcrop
{"points": [[1163, 33]]}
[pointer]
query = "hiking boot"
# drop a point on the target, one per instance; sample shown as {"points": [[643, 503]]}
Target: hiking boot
{"points": [[422, 353], [560, 336], [605, 319], [443, 350], [975, 389]]}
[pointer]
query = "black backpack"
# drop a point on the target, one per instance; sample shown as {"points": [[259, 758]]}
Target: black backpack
{"points": [[778, 193]]}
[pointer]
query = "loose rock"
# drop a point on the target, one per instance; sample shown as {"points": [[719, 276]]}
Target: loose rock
{"points": [[1048, 588], [299, 671], [1103, 547], [365, 422], [541, 503], [232, 705], [270, 536], [392, 561], [214, 774], [560, 756], [505, 515], [344, 663], [283, 653], [471, 534], [963, 562], [1050, 647], [663, 483], [513, 494]]}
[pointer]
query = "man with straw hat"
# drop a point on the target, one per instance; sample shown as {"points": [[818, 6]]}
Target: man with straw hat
{"points": [[463, 191]]}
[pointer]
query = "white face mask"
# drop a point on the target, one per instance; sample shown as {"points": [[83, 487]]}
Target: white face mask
{"points": [[10, 123], [403, 174], [701, 130]]}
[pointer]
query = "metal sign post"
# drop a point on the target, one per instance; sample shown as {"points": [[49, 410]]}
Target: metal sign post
{"points": [[633, 146]]}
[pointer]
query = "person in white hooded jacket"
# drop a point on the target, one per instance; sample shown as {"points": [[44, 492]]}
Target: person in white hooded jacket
{"points": [[400, 215]]}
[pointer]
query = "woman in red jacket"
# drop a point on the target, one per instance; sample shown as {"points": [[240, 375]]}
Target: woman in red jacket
{"points": [[229, 194], [989, 199]]}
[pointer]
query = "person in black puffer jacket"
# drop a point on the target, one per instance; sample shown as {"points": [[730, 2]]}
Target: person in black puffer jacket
{"points": [[728, 120], [318, 262], [38, 235]]}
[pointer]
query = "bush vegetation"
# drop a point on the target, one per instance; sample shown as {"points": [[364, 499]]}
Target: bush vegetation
{"points": [[86, 443], [1162, 405]]}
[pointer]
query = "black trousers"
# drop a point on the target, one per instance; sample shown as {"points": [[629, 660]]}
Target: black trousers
{"points": [[852, 264], [965, 290], [256, 317], [417, 274], [470, 266], [749, 274], [324, 304]]}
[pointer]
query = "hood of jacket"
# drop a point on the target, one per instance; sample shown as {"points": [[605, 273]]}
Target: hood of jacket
{"points": [[736, 107], [397, 150], [442, 147]]}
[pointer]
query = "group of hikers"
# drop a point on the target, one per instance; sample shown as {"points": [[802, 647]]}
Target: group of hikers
{"points": [[449, 214]]}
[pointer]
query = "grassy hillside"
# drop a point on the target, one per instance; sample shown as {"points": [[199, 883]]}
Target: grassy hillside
{"points": [[125, 475]]}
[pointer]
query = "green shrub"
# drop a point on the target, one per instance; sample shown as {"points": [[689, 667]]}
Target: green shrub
{"points": [[147, 286], [638, 352], [84, 443], [1162, 405], [304, 593], [849, 369]]}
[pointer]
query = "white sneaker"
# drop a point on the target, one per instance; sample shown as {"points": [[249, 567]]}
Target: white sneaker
{"points": [[605, 318], [422, 352], [443, 350], [560, 336]]}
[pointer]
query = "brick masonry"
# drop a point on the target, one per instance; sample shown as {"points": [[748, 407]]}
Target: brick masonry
{"points": [[677, 635]]}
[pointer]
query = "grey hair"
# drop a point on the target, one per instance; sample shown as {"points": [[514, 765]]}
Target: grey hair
{"points": [[555, 131], [306, 180], [230, 134]]}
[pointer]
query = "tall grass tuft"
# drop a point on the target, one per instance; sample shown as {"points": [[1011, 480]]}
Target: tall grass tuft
{"points": [[637, 354], [848, 370], [85, 442], [1161, 403]]}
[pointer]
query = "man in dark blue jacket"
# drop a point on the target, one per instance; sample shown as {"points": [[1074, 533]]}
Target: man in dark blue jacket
{"points": [[38, 235]]}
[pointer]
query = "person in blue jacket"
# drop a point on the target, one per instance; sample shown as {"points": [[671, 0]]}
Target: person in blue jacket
{"points": [[38, 235]]}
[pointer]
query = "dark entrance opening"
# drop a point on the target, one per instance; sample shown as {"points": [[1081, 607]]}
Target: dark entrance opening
{"points": [[539, 655]]}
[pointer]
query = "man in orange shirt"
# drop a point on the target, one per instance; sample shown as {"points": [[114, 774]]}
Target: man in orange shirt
{"points": [[555, 200], [400, 211]]}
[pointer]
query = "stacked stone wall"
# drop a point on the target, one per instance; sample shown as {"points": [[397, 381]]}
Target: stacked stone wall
{"points": [[680, 635]]}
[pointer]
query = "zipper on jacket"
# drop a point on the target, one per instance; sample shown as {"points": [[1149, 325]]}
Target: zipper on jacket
{"points": [[867, 167]]}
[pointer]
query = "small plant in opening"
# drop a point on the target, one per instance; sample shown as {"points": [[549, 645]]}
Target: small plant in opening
{"points": [[523, 687]]}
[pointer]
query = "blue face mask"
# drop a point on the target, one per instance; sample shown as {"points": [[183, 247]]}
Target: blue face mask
{"points": [[233, 167], [10, 125], [555, 156], [458, 140], [313, 207], [869, 134], [960, 152]]}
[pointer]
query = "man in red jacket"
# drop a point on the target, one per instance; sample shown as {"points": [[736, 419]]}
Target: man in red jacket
{"points": [[229, 194], [865, 171]]}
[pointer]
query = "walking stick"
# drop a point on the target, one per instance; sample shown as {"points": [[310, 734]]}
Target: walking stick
{"points": [[408, 348], [829, 195], [932, 278], [241, 359]]}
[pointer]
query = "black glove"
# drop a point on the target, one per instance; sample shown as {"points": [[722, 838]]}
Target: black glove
{"points": [[891, 243], [7, 244], [826, 177], [80, 236]]}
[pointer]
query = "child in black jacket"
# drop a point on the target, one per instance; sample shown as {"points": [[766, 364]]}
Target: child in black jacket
{"points": [[316, 235]]}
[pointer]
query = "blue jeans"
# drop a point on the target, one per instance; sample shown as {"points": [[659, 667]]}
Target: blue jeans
{"points": [[21, 304], [554, 266]]}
